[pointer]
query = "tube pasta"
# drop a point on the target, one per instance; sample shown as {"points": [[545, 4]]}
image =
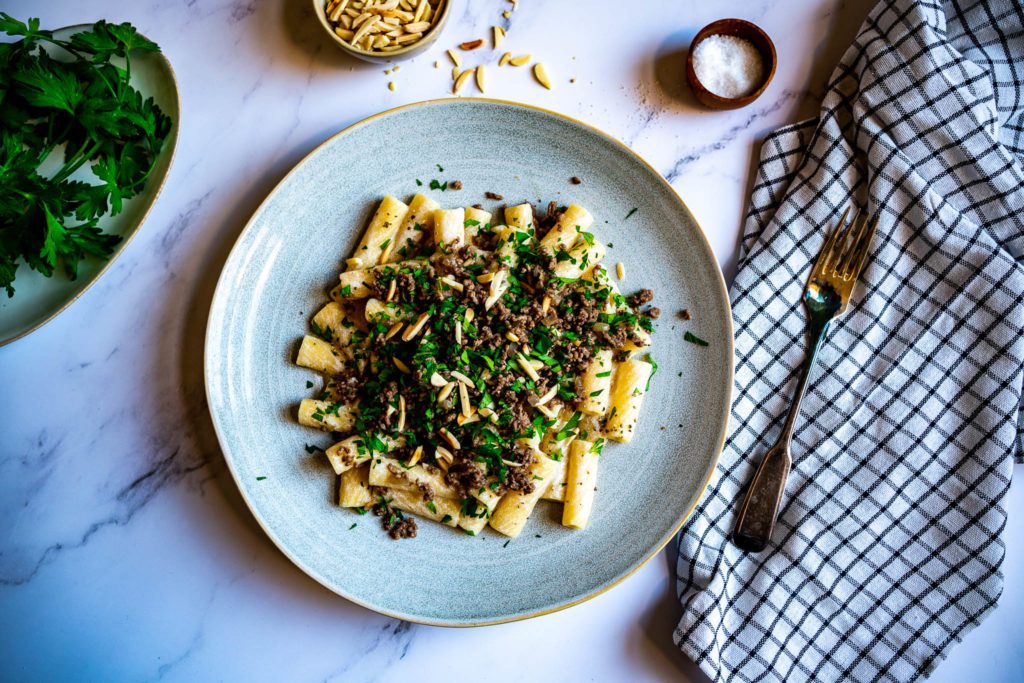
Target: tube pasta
{"points": [[316, 354], [474, 229], [520, 216], [557, 449], [574, 220], [327, 416], [444, 510], [354, 488], [556, 489], [486, 500], [473, 524], [628, 388], [352, 452], [596, 384], [582, 259], [450, 228], [345, 455], [355, 284], [380, 311], [334, 324], [506, 249], [418, 223], [381, 232], [392, 474], [515, 507], [580, 484]]}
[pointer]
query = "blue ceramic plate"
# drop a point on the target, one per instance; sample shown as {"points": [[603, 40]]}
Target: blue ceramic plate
{"points": [[38, 299], [291, 252]]}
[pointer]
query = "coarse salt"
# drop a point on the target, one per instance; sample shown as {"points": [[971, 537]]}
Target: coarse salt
{"points": [[728, 66]]}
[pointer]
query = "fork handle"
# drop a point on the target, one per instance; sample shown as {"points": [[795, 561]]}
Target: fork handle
{"points": [[756, 519]]}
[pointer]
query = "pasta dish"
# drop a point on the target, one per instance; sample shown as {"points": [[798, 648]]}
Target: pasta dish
{"points": [[475, 364]]}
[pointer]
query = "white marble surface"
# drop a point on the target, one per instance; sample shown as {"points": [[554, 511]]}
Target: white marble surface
{"points": [[125, 550]]}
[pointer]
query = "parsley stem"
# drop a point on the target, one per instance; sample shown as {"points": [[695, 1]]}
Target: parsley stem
{"points": [[76, 162]]}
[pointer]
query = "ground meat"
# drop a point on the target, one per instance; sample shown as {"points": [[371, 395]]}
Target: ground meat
{"points": [[575, 180], [654, 313], [452, 263], [494, 195], [577, 357], [474, 294], [405, 528], [644, 296], [455, 185], [521, 418], [519, 479], [684, 314], [393, 522], [465, 477], [580, 317], [427, 490], [346, 386]]}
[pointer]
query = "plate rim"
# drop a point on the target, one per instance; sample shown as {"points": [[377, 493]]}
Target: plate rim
{"points": [[219, 292], [176, 128]]}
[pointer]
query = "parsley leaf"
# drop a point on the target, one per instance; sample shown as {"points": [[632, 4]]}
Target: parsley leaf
{"points": [[694, 339]]}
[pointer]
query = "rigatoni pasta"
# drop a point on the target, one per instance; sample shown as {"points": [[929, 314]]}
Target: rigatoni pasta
{"points": [[473, 369]]}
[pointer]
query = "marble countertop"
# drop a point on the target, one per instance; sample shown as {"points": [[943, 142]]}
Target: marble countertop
{"points": [[126, 552]]}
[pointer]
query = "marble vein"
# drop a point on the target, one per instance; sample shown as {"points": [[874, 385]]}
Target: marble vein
{"points": [[132, 498], [682, 164]]}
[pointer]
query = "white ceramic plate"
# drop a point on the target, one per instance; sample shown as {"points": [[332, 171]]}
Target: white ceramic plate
{"points": [[290, 253]]}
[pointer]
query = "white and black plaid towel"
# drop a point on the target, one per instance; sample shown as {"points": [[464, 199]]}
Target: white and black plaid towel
{"points": [[887, 550]]}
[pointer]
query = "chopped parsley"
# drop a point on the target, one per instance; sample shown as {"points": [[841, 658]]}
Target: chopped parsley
{"points": [[631, 212], [654, 369], [260, 478], [694, 339]]}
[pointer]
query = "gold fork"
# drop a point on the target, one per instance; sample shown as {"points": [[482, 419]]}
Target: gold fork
{"points": [[826, 297]]}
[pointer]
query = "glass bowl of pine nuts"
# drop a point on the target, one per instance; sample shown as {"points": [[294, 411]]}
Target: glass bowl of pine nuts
{"points": [[382, 30]]}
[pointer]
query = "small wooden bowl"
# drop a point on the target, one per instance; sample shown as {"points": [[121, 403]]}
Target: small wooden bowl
{"points": [[741, 29], [406, 52]]}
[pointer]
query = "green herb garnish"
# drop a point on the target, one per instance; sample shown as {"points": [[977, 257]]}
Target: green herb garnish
{"points": [[654, 369], [694, 339], [80, 111]]}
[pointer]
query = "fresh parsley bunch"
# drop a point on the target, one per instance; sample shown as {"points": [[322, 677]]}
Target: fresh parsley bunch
{"points": [[83, 110]]}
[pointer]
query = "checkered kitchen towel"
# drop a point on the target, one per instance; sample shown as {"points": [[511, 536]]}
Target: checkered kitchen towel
{"points": [[888, 548]]}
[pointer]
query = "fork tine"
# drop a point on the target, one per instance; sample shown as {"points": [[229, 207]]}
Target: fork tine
{"points": [[826, 251], [857, 229], [862, 248]]}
